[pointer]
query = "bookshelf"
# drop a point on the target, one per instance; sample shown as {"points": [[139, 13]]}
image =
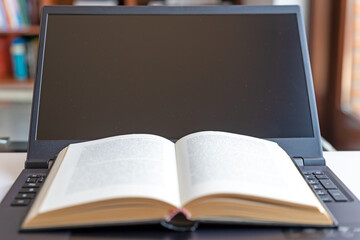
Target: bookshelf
{"points": [[11, 83], [32, 30], [19, 30], [9, 33]]}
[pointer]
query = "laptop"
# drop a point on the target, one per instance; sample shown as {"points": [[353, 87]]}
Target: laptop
{"points": [[171, 71]]}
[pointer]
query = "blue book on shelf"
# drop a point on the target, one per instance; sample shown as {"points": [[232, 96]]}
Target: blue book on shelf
{"points": [[18, 13], [18, 55]]}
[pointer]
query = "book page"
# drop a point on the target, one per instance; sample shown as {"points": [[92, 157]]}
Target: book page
{"points": [[225, 163], [136, 165]]}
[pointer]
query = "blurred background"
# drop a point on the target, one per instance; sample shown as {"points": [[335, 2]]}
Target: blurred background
{"points": [[333, 31]]}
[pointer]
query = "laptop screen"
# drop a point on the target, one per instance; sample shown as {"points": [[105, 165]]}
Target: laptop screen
{"points": [[172, 75]]}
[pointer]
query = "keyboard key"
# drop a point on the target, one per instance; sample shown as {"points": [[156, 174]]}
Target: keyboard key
{"points": [[321, 192], [31, 185], [321, 176], [25, 196], [20, 202], [34, 176], [309, 177], [31, 180], [328, 184], [326, 198], [42, 179], [313, 182], [28, 190], [318, 173], [307, 173], [317, 187], [338, 195]]}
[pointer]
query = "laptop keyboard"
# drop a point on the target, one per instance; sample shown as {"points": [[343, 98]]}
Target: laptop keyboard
{"points": [[324, 187], [28, 191]]}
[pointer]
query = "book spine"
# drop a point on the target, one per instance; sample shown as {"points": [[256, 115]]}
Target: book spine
{"points": [[3, 18], [10, 8], [33, 11], [179, 220], [175, 212], [23, 12], [18, 54], [7, 13], [18, 15], [5, 59]]}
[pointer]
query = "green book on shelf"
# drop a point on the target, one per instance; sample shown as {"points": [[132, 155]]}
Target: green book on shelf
{"points": [[24, 12]]}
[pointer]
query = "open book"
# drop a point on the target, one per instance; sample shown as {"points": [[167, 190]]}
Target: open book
{"points": [[208, 176]]}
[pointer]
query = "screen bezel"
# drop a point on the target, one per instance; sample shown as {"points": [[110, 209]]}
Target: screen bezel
{"points": [[308, 147]]}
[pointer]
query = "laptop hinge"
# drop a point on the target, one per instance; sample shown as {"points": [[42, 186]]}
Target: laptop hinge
{"points": [[320, 161], [38, 163], [309, 161], [299, 161]]}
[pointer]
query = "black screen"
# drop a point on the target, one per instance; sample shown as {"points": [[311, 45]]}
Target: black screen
{"points": [[171, 75]]}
